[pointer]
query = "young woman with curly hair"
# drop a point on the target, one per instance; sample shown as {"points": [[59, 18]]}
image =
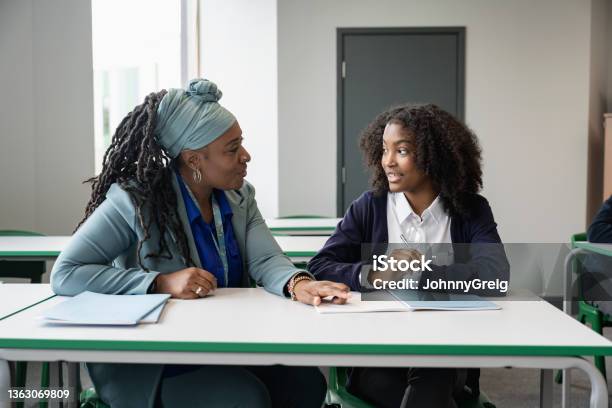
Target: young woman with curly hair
{"points": [[426, 174]]}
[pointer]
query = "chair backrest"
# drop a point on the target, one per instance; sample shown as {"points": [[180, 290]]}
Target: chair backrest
{"points": [[580, 236], [578, 265], [341, 374]]}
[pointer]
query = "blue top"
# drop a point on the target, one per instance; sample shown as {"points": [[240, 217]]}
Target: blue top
{"points": [[204, 236]]}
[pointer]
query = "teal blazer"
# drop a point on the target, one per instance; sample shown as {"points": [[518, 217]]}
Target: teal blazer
{"points": [[101, 257]]}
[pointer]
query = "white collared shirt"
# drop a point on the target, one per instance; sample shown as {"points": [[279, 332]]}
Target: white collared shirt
{"points": [[432, 227]]}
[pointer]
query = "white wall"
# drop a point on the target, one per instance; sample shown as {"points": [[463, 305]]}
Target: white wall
{"points": [[46, 113], [527, 98], [238, 52], [598, 100], [529, 83]]}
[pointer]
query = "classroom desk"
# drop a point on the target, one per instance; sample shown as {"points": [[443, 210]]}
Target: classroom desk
{"points": [[303, 226], [254, 327], [298, 248]]}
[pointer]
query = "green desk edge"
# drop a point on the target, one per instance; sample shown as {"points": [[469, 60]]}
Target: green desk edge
{"points": [[310, 348], [29, 253], [296, 254]]}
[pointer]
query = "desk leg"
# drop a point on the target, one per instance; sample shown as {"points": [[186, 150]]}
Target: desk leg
{"points": [[567, 279], [546, 388], [5, 383], [565, 388], [599, 388]]}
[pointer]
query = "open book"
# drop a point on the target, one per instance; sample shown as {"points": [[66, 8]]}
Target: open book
{"points": [[406, 301]]}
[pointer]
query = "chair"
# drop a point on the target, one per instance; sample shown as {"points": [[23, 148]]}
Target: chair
{"points": [[89, 399], [32, 270], [337, 394], [589, 313]]}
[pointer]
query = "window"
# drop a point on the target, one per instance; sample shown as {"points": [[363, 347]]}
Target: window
{"points": [[136, 51]]}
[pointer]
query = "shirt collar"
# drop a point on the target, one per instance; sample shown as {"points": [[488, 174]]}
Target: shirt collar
{"points": [[191, 204], [404, 210], [436, 210]]}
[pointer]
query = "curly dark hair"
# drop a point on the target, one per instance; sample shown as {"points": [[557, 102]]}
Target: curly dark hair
{"points": [[136, 162], [445, 150]]}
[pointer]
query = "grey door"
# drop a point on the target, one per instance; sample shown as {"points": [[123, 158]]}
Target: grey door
{"points": [[379, 68]]}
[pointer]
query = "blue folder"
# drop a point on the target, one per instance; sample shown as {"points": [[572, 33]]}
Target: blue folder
{"points": [[90, 308]]}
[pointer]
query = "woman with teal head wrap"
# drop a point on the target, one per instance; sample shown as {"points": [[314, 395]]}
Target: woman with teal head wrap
{"points": [[171, 213]]}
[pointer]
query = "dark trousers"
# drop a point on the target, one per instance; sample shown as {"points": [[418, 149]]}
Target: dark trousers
{"points": [[404, 387], [235, 386]]}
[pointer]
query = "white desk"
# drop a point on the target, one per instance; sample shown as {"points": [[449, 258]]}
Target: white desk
{"points": [[298, 248], [251, 326], [15, 297], [303, 226]]}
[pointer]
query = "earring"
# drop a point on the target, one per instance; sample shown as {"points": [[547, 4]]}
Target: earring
{"points": [[197, 176]]}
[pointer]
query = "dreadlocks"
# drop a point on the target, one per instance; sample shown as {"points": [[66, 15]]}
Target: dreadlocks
{"points": [[138, 164]]}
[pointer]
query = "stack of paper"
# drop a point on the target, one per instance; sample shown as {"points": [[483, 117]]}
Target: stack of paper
{"points": [[356, 305], [90, 308]]}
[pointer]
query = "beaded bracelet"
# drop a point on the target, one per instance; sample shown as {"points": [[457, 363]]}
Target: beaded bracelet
{"points": [[294, 280]]}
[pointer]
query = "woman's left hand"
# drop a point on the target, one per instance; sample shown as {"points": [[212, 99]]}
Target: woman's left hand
{"points": [[311, 292]]}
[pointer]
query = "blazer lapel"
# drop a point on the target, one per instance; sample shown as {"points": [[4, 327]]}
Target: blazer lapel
{"points": [[182, 214], [239, 222]]}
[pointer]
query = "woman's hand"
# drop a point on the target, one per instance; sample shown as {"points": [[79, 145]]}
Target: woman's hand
{"points": [[189, 283], [311, 292]]}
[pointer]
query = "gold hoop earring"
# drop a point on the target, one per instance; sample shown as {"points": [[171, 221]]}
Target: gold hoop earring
{"points": [[197, 176]]}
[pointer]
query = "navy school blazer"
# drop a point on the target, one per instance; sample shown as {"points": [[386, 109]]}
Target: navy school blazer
{"points": [[365, 221], [601, 228]]}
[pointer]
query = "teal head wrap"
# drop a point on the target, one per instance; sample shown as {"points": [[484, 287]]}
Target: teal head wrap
{"points": [[191, 118]]}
